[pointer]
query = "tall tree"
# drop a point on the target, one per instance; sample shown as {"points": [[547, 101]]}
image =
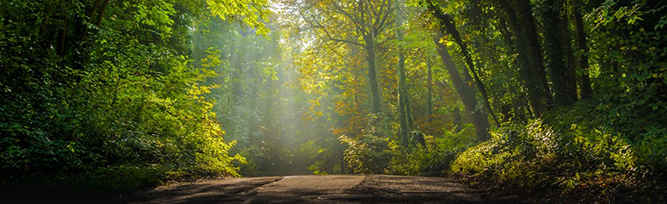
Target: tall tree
{"points": [[563, 81], [447, 25], [580, 39], [567, 46], [404, 112], [114, 85], [366, 18], [429, 89], [465, 91], [520, 18]]}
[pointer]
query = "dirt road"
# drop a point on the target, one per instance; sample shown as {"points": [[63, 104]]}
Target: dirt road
{"points": [[318, 189]]}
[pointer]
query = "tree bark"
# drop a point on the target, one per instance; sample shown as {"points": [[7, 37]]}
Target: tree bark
{"points": [[535, 51], [584, 79], [429, 90], [466, 92], [569, 52], [404, 113], [447, 26], [564, 93], [62, 38], [531, 67], [91, 16], [100, 15], [372, 74]]}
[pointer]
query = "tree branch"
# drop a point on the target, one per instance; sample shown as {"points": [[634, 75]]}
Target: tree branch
{"points": [[326, 32]]}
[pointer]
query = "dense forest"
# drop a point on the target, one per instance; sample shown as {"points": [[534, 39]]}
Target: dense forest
{"points": [[563, 98]]}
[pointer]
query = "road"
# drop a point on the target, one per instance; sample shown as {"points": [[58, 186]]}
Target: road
{"points": [[318, 189]]}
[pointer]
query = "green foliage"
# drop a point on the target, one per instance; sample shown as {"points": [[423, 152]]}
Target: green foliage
{"points": [[105, 97], [371, 154], [122, 95], [630, 47], [435, 158], [514, 154], [568, 152], [251, 12], [367, 153], [116, 178]]}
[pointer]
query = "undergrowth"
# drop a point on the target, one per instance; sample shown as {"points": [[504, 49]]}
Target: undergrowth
{"points": [[567, 155]]}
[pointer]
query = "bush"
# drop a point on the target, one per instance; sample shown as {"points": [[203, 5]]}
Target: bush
{"points": [[133, 122], [583, 158], [435, 158]]}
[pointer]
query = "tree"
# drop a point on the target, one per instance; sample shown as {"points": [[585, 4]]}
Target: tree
{"points": [[465, 91], [446, 25], [580, 39], [365, 18], [404, 110], [119, 98], [531, 67], [563, 79]]}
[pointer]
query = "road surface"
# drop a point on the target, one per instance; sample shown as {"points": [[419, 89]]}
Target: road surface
{"points": [[318, 189]]}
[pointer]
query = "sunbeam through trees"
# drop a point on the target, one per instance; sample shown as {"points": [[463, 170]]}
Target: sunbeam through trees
{"points": [[547, 98]]}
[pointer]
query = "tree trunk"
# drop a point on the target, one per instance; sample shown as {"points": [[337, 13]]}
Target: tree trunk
{"points": [[46, 15], [62, 38], [91, 16], [447, 26], [404, 116], [584, 80], [531, 68], [429, 90], [564, 93], [372, 74], [466, 92], [569, 52], [535, 51], [100, 15]]}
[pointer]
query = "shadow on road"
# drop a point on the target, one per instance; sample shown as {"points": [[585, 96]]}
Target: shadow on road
{"points": [[320, 189]]}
